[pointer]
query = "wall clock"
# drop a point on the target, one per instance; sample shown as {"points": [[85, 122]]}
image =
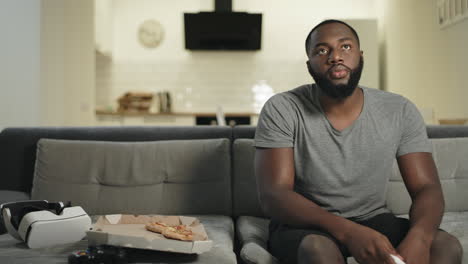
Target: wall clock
{"points": [[150, 33]]}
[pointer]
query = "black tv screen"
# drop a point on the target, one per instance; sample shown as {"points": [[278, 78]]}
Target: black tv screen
{"points": [[223, 31]]}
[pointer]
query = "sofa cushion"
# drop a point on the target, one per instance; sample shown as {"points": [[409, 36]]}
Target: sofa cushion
{"points": [[164, 177], [253, 236], [451, 158], [245, 195], [18, 144], [220, 229], [456, 223]]}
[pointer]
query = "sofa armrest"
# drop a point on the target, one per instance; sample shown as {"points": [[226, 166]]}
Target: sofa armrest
{"points": [[252, 233], [253, 253], [10, 196]]}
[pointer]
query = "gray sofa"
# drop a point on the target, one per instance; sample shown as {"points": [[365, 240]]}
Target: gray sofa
{"points": [[202, 171]]}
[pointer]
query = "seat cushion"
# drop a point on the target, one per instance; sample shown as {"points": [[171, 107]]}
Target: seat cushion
{"points": [[16, 252], [163, 177], [456, 223], [253, 236], [220, 229]]}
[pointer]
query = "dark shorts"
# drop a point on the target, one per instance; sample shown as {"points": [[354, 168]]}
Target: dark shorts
{"points": [[284, 240]]}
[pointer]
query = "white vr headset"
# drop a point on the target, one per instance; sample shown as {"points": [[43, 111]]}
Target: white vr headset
{"points": [[41, 224]]}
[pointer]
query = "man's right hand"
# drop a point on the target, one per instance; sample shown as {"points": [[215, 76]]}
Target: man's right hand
{"points": [[369, 246]]}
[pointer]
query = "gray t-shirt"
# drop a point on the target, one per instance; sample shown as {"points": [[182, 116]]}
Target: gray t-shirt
{"points": [[345, 172]]}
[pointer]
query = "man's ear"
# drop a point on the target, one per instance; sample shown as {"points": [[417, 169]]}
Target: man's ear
{"points": [[362, 53], [309, 67]]}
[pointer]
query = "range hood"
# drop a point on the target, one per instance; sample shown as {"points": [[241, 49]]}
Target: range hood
{"points": [[223, 29]]}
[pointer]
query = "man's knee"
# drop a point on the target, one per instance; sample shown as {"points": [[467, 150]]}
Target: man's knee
{"points": [[447, 244], [317, 247]]}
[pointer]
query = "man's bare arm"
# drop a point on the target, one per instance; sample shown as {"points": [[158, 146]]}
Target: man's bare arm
{"points": [[420, 176], [274, 169]]}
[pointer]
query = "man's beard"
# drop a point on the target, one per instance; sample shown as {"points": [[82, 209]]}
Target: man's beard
{"points": [[339, 91]]}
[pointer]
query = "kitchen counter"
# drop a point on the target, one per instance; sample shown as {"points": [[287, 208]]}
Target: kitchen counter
{"points": [[104, 117], [204, 114]]}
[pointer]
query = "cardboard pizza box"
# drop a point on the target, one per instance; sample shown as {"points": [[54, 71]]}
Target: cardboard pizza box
{"points": [[130, 231]]}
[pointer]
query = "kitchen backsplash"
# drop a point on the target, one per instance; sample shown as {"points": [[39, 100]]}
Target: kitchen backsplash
{"points": [[199, 83]]}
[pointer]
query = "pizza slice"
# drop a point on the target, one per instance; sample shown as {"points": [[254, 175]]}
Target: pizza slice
{"points": [[180, 232], [157, 227]]}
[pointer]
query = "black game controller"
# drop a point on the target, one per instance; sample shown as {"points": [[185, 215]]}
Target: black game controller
{"points": [[103, 254]]}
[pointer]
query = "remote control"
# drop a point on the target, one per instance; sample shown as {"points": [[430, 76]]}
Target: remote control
{"points": [[103, 254], [397, 260]]}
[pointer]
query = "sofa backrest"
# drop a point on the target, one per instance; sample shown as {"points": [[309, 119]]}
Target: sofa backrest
{"points": [[18, 145], [163, 177], [18, 155], [245, 195], [450, 146], [451, 158]]}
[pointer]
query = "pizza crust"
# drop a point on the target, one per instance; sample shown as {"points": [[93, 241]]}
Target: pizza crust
{"points": [[157, 227], [179, 232]]}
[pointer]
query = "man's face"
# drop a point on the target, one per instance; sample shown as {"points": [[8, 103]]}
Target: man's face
{"points": [[335, 60]]}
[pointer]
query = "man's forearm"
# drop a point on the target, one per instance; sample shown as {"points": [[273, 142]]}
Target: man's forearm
{"points": [[426, 212], [294, 209]]}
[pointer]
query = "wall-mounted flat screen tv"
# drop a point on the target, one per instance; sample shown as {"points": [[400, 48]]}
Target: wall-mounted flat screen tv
{"points": [[223, 31]]}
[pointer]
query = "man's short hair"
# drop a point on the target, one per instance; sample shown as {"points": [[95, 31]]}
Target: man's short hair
{"points": [[328, 21]]}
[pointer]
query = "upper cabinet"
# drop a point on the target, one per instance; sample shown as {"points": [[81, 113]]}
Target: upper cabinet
{"points": [[103, 20]]}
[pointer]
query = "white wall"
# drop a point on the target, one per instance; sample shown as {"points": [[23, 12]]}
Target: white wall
{"points": [[200, 80], [47, 63], [367, 30], [67, 62], [423, 62], [453, 101], [19, 63]]}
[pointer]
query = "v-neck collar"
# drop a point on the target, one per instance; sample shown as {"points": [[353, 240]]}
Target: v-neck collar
{"points": [[315, 94]]}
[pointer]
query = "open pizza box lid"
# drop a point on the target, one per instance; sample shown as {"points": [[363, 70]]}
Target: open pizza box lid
{"points": [[129, 231]]}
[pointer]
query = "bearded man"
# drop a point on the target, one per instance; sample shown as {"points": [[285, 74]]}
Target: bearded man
{"points": [[324, 155]]}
